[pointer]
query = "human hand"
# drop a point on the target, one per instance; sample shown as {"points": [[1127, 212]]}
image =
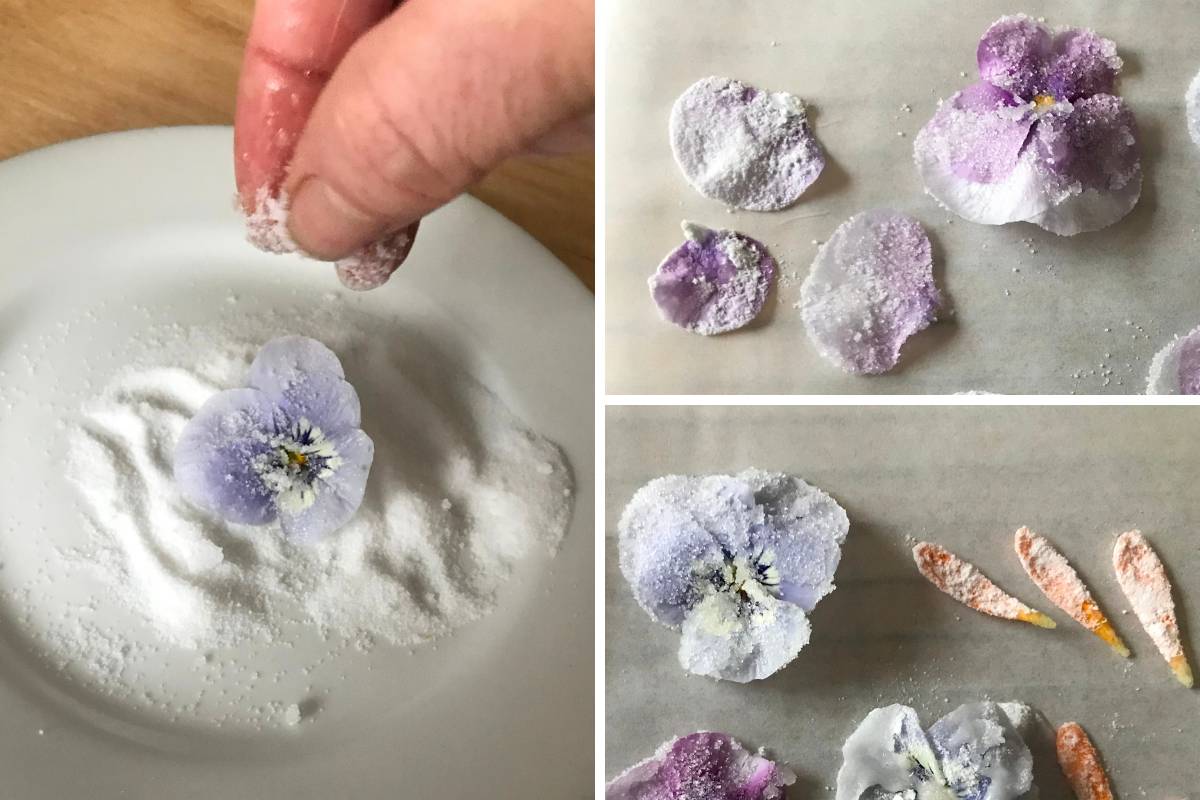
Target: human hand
{"points": [[355, 119]]}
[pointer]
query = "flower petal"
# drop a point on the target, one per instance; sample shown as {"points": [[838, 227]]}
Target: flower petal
{"points": [[742, 146], [1014, 54], [670, 525], [739, 641], [982, 754], [338, 496], [1084, 64], [1176, 368], [888, 751], [1193, 109], [325, 400], [215, 453], [871, 287], [702, 766], [715, 282], [285, 360], [803, 532]]}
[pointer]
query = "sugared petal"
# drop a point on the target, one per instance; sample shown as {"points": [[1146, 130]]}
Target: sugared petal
{"points": [[1093, 158], [286, 360], [737, 641], [965, 582], [888, 751], [745, 147], [716, 281], [1080, 763], [215, 456], [871, 287], [338, 494], [326, 401], [1143, 579], [1193, 109], [702, 766], [1014, 54], [1176, 368], [1084, 64], [982, 754]]}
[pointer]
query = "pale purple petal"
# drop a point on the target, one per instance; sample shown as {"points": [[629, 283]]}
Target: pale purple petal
{"points": [[888, 751], [214, 457], [1084, 64], [871, 287], [1014, 54], [1176, 368], [982, 753], [1192, 101], [338, 496], [745, 147], [288, 359], [715, 282], [323, 399], [702, 766], [729, 639], [802, 535]]}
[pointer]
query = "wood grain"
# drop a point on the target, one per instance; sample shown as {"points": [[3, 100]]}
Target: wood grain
{"points": [[73, 68]]}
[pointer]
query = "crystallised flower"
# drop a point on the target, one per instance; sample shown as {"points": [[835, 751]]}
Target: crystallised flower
{"points": [[976, 751], [702, 766], [286, 448], [1176, 368], [871, 288], [735, 562], [743, 146], [1041, 138], [715, 282]]}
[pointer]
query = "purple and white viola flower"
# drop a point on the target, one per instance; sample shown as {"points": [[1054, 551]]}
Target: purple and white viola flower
{"points": [[976, 752], [287, 448], [734, 562], [1176, 368], [1041, 138], [715, 282], [702, 766]]}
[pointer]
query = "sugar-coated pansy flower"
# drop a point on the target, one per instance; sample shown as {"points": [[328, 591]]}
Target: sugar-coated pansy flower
{"points": [[702, 766], [870, 288], [976, 751], [735, 562], [1176, 368], [715, 282], [287, 448], [1040, 138], [743, 146], [1192, 102]]}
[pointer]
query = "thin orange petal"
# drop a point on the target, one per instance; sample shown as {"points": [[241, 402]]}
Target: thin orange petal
{"points": [[1080, 762], [965, 583]]}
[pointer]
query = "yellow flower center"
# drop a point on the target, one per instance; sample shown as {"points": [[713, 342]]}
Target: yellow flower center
{"points": [[298, 459], [1043, 100]]}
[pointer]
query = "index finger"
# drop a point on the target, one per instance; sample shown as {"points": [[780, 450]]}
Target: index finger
{"points": [[293, 48]]}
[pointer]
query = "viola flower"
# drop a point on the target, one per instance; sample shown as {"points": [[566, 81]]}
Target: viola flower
{"points": [[715, 282], [1176, 368], [287, 448], [976, 751], [702, 766], [735, 562], [1041, 138]]}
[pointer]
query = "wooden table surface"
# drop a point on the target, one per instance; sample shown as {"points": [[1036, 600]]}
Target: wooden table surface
{"points": [[72, 68]]}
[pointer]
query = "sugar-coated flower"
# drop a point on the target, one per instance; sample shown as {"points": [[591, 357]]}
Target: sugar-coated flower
{"points": [[286, 448], [702, 766], [871, 288], [1176, 368], [734, 562], [715, 282], [976, 752], [1192, 101], [743, 146], [1041, 138]]}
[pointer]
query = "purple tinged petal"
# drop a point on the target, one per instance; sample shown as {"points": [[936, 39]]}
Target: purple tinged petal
{"points": [[871, 288], [1014, 54], [323, 399], [702, 766], [1189, 365], [338, 495], [1192, 103], [989, 755], [288, 359], [214, 457], [1084, 64], [1175, 369], [715, 282], [745, 147]]}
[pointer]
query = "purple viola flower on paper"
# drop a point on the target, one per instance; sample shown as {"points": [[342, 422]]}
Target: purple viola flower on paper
{"points": [[702, 766], [1040, 138], [976, 752], [735, 563], [1176, 368], [715, 282], [287, 448]]}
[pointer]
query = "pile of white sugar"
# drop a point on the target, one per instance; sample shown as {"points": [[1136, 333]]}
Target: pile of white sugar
{"points": [[460, 491]]}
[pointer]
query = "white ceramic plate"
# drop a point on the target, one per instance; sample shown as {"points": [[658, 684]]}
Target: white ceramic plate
{"points": [[94, 232]]}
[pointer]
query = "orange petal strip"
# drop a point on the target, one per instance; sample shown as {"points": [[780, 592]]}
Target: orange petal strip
{"points": [[1080, 762], [1052, 573], [966, 584], [1144, 581]]}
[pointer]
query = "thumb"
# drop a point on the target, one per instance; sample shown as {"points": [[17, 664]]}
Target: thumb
{"points": [[426, 103]]}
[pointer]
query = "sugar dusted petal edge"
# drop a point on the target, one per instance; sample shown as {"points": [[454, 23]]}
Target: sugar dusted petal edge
{"points": [[704, 755]]}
